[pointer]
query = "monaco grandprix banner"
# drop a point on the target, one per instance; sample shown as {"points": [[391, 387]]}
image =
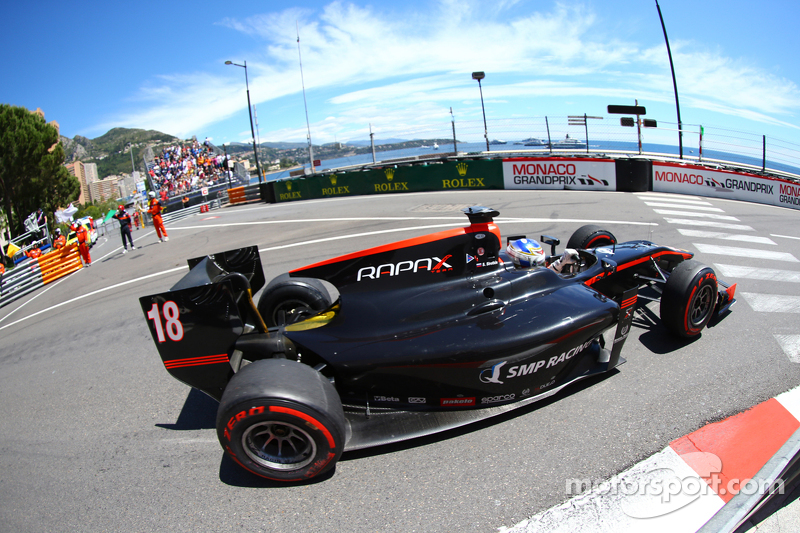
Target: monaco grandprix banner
{"points": [[560, 173], [691, 179]]}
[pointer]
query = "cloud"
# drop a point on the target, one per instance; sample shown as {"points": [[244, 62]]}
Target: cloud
{"points": [[395, 65]]}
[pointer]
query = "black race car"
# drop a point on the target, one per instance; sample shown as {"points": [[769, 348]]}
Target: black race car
{"points": [[425, 335]]}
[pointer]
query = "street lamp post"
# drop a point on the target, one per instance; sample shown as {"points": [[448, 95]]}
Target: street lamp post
{"points": [[250, 112], [227, 169], [479, 76]]}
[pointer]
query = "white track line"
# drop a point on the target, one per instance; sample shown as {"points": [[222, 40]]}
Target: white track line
{"points": [[95, 292], [765, 274], [701, 215], [718, 235], [685, 206], [745, 252], [708, 224], [790, 345], [772, 303]]}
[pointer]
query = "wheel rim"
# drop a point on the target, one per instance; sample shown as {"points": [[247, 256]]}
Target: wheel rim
{"points": [[279, 445], [701, 306], [296, 309]]}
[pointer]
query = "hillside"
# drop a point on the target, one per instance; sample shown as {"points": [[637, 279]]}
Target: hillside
{"points": [[110, 151]]}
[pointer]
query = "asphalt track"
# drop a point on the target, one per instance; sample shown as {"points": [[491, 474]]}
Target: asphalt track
{"points": [[96, 436]]}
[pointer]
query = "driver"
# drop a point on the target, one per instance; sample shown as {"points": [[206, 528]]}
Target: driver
{"points": [[528, 253]]}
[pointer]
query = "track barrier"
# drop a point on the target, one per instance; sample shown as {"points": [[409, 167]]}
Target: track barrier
{"points": [[31, 274]]}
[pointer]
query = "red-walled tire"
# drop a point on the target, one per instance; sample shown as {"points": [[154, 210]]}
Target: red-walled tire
{"points": [[591, 236], [689, 298], [281, 420]]}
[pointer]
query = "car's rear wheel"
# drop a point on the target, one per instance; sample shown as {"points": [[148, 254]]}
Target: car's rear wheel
{"points": [[688, 299], [591, 236], [281, 420], [287, 300]]}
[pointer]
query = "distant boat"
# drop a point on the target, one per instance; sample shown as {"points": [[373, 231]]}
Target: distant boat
{"points": [[497, 141], [533, 142], [435, 146], [569, 142]]}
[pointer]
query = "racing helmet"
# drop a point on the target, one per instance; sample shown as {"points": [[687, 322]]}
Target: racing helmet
{"points": [[152, 194], [58, 231], [122, 207], [526, 253]]}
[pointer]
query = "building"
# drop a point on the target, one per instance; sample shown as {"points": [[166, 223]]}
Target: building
{"points": [[78, 169], [105, 189], [90, 169]]}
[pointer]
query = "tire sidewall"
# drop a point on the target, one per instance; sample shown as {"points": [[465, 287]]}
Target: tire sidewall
{"points": [[328, 438], [276, 295], [590, 236], [689, 281]]}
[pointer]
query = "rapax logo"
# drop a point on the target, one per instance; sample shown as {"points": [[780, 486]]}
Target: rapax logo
{"points": [[433, 264]]}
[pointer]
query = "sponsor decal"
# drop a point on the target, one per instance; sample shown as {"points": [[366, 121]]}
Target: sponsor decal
{"points": [[532, 368], [559, 174], [390, 187], [789, 194], [548, 384], [470, 259], [589, 180], [385, 399], [480, 236], [414, 399], [461, 183], [487, 264], [492, 375], [434, 264], [743, 185], [290, 196], [544, 180], [680, 177], [526, 392], [457, 402], [462, 169], [334, 190], [481, 251], [498, 399]]}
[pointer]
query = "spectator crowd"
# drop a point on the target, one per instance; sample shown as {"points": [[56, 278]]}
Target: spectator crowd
{"points": [[181, 169]]}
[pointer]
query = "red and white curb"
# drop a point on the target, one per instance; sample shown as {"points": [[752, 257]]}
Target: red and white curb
{"points": [[683, 486]]}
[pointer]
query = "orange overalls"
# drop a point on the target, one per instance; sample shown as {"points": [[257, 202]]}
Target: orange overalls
{"points": [[155, 211], [83, 245]]}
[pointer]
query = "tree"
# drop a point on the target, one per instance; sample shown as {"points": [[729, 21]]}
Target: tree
{"points": [[32, 174]]}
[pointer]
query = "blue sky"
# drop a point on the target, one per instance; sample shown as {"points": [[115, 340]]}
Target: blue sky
{"points": [[399, 66]]}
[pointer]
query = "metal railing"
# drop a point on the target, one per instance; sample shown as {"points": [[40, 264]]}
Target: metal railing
{"points": [[559, 135]]}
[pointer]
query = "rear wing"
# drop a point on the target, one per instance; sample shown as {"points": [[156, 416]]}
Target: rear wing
{"points": [[196, 323]]}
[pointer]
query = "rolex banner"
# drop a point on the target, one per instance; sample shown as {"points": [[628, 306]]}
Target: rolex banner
{"points": [[560, 173], [432, 177]]}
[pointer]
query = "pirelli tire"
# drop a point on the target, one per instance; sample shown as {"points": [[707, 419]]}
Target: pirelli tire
{"points": [[281, 420], [689, 299], [287, 300], [590, 236]]}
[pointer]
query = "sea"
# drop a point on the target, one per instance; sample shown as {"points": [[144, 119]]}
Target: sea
{"points": [[509, 149]]}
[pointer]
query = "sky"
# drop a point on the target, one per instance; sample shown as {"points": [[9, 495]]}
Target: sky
{"points": [[397, 67]]}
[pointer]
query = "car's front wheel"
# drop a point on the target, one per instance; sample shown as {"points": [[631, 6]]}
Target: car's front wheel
{"points": [[281, 420], [689, 298], [591, 236]]}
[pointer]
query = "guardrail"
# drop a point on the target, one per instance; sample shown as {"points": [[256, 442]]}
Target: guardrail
{"points": [[247, 193], [31, 274], [183, 212]]}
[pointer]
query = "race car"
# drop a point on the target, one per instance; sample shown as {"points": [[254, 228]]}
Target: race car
{"points": [[420, 336]]}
